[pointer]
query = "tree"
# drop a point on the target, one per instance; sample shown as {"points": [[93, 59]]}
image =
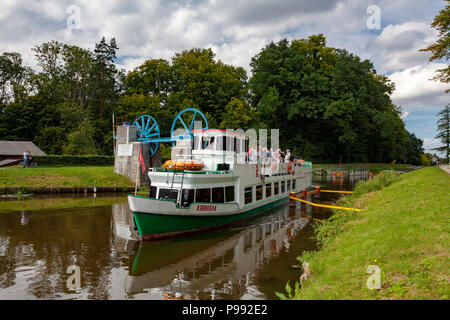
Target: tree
{"points": [[81, 141], [328, 103], [193, 80], [239, 115], [444, 130], [153, 77], [441, 48], [15, 78], [414, 149], [80, 85], [104, 74], [201, 82]]}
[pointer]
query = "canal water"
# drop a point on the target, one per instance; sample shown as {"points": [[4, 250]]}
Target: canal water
{"points": [[42, 237]]}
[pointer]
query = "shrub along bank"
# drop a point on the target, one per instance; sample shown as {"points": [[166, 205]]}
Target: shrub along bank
{"points": [[56, 160]]}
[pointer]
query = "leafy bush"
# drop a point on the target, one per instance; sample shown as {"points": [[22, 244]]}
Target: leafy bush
{"points": [[74, 160], [426, 159]]}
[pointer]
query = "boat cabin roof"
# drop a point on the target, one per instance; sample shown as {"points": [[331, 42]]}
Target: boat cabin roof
{"points": [[219, 132]]}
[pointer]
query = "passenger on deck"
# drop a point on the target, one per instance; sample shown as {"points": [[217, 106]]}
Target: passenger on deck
{"points": [[282, 156], [288, 157], [253, 155], [273, 154]]}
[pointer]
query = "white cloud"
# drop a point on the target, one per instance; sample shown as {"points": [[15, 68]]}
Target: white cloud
{"points": [[414, 89], [404, 114], [398, 45], [430, 143], [238, 30]]}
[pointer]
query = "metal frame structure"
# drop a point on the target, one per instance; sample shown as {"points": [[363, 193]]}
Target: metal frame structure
{"points": [[148, 129]]}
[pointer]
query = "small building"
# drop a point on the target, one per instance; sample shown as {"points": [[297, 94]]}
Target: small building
{"points": [[11, 152]]}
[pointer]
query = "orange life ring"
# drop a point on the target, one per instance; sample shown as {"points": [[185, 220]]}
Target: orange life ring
{"points": [[183, 165]]}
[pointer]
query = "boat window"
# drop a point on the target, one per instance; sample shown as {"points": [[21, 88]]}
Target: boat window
{"points": [[221, 143], [153, 192], [237, 145], [268, 190], [187, 197], [197, 145], [229, 194], [288, 185], [283, 186], [168, 194], [275, 188], [208, 143], [217, 195], [259, 192], [248, 195], [229, 142], [203, 195], [293, 184]]}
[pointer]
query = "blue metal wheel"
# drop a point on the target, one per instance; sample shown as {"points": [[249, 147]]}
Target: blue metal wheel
{"points": [[148, 131], [187, 118]]}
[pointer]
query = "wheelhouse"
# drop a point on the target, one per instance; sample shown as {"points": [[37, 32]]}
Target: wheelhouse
{"points": [[220, 149]]}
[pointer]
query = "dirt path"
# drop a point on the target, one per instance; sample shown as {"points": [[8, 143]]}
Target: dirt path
{"points": [[445, 167]]}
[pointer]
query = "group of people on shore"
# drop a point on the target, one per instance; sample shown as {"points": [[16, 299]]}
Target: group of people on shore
{"points": [[436, 160], [27, 159], [262, 154]]}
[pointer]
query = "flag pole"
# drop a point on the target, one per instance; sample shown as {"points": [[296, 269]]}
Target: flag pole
{"points": [[137, 172]]}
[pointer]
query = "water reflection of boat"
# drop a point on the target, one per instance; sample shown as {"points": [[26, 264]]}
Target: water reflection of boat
{"points": [[125, 236], [223, 260]]}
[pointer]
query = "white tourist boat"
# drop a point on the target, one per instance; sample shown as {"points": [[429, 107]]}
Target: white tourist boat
{"points": [[213, 184]]}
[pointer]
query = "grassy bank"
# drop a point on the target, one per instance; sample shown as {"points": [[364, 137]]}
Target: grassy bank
{"points": [[404, 229], [55, 202], [62, 177]]}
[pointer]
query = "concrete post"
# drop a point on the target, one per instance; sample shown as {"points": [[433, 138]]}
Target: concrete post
{"points": [[126, 155]]}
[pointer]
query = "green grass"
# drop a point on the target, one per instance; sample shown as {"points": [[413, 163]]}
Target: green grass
{"points": [[62, 177], [404, 229]]}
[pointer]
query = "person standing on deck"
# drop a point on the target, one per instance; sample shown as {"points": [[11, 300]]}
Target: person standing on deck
{"points": [[288, 156], [253, 155]]}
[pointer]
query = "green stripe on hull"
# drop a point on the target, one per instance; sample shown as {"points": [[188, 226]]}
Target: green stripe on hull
{"points": [[158, 224]]}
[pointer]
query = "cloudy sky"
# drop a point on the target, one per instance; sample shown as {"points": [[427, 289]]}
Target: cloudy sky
{"points": [[237, 30]]}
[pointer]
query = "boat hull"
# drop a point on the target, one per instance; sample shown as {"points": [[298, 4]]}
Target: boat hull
{"points": [[153, 226]]}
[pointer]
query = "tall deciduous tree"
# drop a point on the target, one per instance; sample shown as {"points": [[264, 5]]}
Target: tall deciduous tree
{"points": [[14, 78], [441, 48], [193, 80], [328, 104], [81, 141]]}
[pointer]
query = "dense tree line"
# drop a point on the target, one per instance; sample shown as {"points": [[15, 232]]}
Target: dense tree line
{"points": [[328, 104], [67, 106]]}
